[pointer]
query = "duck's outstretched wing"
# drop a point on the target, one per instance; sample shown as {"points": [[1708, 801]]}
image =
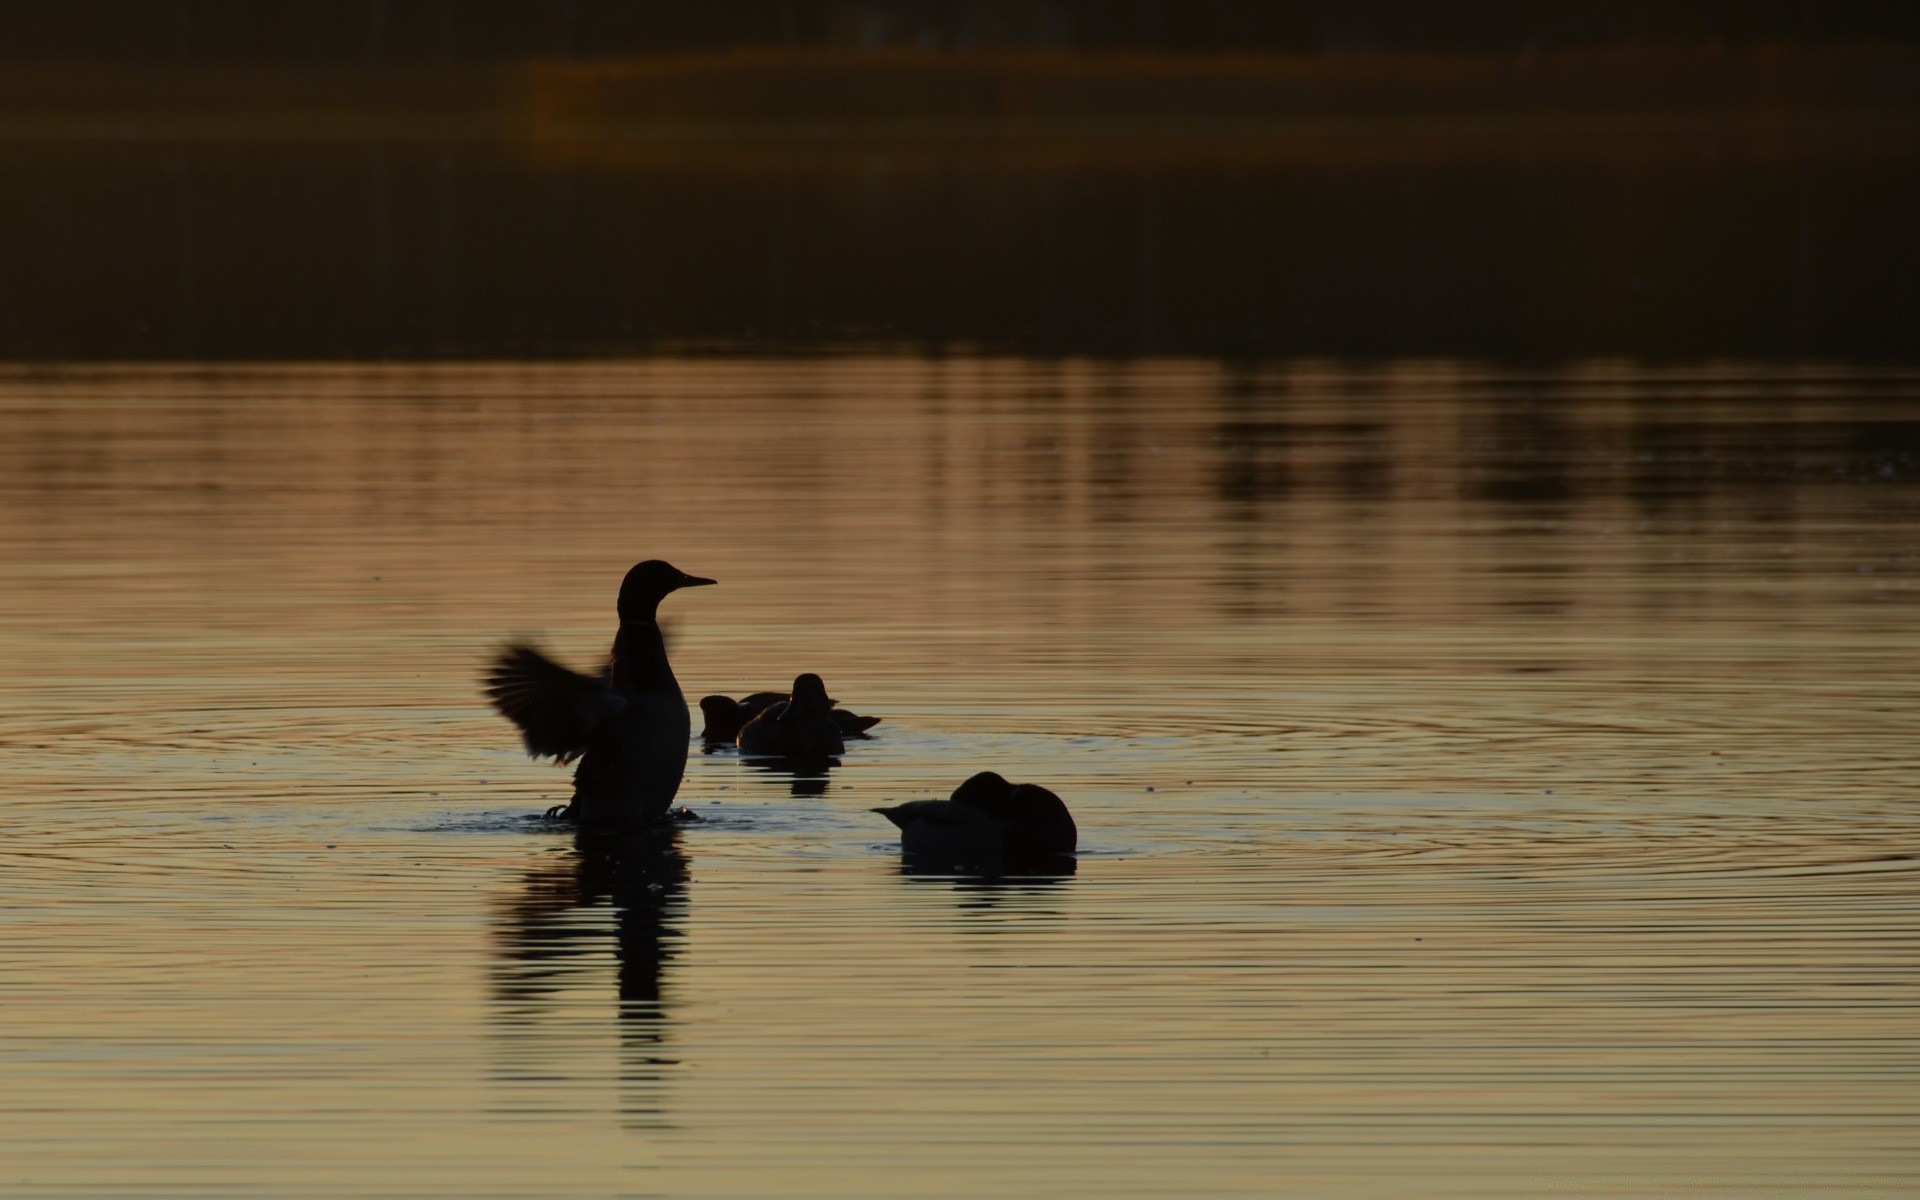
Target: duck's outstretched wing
{"points": [[556, 709]]}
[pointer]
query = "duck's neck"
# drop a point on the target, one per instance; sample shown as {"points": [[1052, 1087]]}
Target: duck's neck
{"points": [[809, 706], [640, 658]]}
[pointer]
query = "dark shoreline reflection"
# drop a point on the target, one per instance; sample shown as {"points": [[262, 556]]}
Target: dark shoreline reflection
{"points": [[450, 252], [622, 895], [1554, 479]]}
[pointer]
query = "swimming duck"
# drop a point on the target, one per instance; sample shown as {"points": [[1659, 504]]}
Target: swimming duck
{"points": [[801, 726], [987, 818], [726, 717], [628, 726]]}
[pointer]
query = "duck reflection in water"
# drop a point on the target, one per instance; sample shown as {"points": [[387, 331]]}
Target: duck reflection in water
{"points": [[1021, 885], [622, 893], [805, 777]]}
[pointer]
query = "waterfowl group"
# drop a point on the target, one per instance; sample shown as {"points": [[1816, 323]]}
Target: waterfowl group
{"points": [[629, 729], [726, 717]]}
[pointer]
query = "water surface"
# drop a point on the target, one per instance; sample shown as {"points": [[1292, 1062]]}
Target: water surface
{"points": [[1492, 782]]}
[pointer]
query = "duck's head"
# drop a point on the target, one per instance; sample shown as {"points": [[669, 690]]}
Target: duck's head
{"points": [[988, 792], [719, 708], [1038, 823], [810, 692], [648, 583]]}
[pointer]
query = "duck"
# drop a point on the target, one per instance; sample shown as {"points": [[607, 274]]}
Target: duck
{"points": [[628, 726], [799, 727], [987, 818], [726, 717]]}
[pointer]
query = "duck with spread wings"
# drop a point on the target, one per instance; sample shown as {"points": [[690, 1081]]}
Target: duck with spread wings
{"points": [[627, 726]]}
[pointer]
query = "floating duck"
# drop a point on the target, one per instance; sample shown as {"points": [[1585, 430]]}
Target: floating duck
{"points": [[799, 727], [986, 818], [628, 726], [726, 717]]}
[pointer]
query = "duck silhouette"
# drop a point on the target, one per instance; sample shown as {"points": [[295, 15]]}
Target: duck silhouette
{"points": [[628, 726], [726, 717], [799, 727], [986, 818]]}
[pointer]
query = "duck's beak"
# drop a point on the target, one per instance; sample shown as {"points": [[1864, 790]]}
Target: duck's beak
{"points": [[687, 580]]}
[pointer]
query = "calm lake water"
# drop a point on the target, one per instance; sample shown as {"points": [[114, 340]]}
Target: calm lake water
{"points": [[1492, 782]]}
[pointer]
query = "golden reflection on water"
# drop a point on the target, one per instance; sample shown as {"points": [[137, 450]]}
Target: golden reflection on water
{"points": [[1492, 782]]}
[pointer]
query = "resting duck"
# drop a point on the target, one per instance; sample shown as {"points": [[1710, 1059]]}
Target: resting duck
{"points": [[801, 726], [987, 818], [726, 717], [628, 726]]}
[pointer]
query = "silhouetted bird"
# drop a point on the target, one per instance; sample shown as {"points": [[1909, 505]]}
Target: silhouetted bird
{"points": [[628, 727], [801, 726], [987, 818], [726, 717]]}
